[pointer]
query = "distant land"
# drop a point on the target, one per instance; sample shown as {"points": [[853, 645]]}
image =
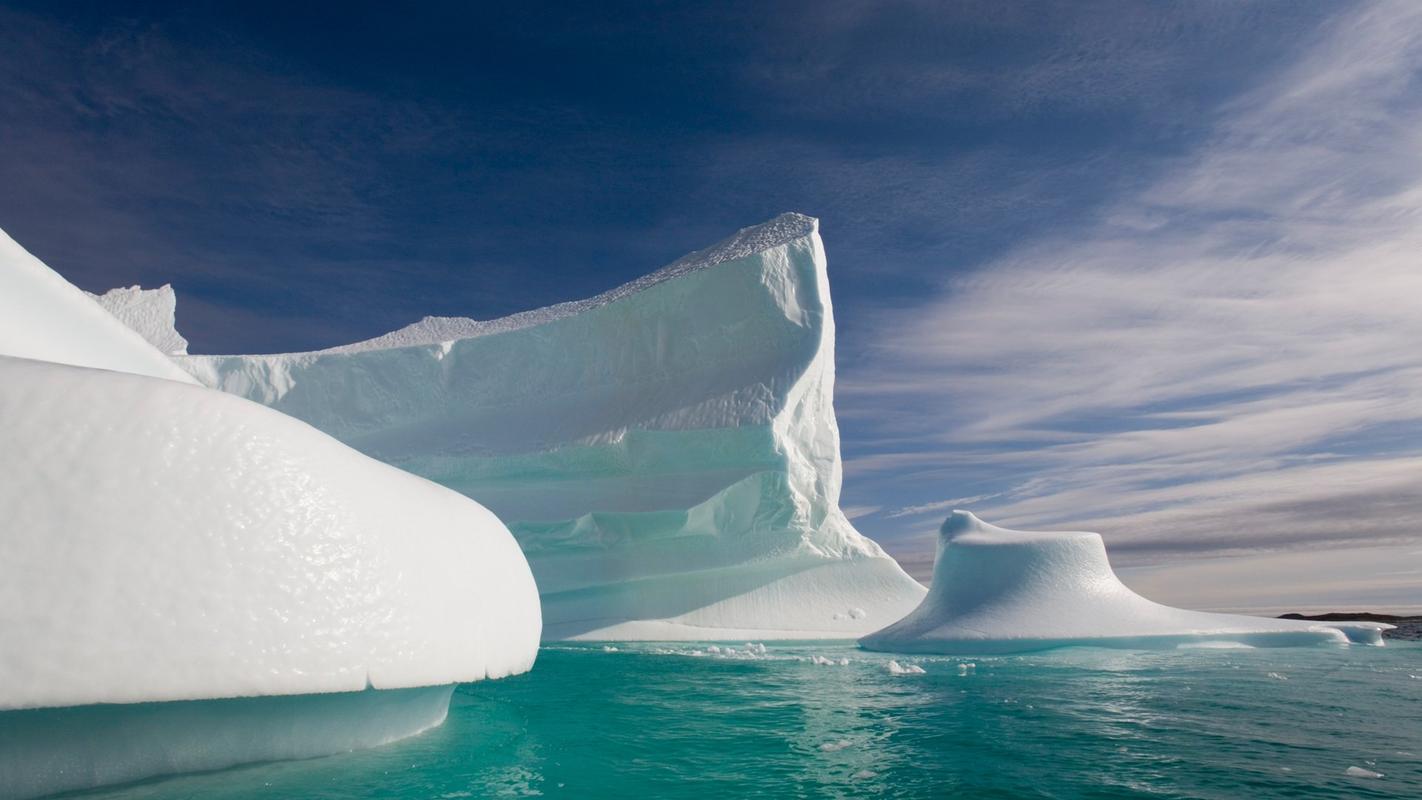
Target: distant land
{"points": [[1409, 628]]}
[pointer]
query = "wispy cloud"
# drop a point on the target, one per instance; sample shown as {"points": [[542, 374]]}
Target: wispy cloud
{"points": [[1227, 358]]}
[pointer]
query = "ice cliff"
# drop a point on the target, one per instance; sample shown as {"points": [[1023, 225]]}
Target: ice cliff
{"points": [[189, 580], [999, 591], [666, 453]]}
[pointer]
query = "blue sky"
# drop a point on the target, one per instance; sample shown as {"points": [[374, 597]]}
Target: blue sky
{"points": [[1140, 268]]}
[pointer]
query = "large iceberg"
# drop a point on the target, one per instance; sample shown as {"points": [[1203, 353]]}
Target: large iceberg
{"points": [[666, 453], [189, 580], [1000, 591]]}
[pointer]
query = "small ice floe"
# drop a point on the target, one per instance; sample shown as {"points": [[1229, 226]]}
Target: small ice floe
{"points": [[1276, 676], [864, 774], [828, 662], [895, 668], [968, 668], [1359, 772], [835, 747], [607, 648]]}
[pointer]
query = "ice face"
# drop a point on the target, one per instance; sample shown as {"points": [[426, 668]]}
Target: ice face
{"points": [[997, 590], [151, 313], [48, 750], [666, 453], [45, 317], [164, 541]]}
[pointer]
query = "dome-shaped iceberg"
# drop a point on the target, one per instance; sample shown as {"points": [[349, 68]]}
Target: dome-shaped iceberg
{"points": [[189, 580], [996, 590]]}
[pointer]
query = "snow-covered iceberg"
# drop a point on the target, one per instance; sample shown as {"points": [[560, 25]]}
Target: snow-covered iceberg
{"points": [[189, 580], [666, 453], [998, 591]]}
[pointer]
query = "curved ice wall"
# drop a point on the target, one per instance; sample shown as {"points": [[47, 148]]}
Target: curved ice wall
{"points": [[997, 590], [666, 453], [189, 580]]}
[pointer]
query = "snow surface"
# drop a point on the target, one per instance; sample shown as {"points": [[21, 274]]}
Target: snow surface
{"points": [[151, 313], [50, 750], [45, 317], [666, 453], [997, 590], [167, 542]]}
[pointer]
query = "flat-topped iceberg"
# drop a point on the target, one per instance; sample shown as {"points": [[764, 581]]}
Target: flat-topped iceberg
{"points": [[189, 580], [999, 591], [666, 453]]}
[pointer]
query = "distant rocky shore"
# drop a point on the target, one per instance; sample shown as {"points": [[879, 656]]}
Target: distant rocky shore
{"points": [[1408, 628]]}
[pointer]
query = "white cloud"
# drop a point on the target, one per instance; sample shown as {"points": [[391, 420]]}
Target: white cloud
{"points": [[1231, 358]]}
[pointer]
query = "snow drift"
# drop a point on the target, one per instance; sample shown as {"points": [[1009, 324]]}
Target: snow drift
{"points": [[997, 591], [666, 453], [189, 580]]}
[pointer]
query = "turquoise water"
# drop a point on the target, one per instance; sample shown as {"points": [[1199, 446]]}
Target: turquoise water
{"points": [[658, 721]]}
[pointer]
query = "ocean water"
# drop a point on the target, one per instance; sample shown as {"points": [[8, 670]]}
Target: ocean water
{"points": [[814, 720]]}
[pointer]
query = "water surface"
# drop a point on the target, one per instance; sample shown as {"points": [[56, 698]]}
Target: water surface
{"points": [[678, 721]]}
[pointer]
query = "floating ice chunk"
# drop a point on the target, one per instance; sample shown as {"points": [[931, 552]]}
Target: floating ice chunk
{"points": [[1276, 676], [996, 590], [835, 747], [1359, 772], [967, 669], [895, 668], [607, 648], [666, 453]]}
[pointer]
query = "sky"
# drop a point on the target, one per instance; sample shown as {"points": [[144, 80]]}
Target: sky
{"points": [[1147, 269]]}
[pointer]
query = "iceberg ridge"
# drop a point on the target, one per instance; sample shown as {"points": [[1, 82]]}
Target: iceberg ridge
{"points": [[666, 452]]}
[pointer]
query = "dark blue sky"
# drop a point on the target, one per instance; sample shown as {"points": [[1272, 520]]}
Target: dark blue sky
{"points": [[1144, 268], [307, 177]]}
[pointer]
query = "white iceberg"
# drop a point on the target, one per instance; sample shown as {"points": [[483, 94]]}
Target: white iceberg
{"points": [[189, 580], [666, 453], [43, 316], [1001, 591], [151, 313]]}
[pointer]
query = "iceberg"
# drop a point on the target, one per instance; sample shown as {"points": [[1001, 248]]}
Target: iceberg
{"points": [[189, 580], [45, 317], [666, 453], [1002, 591], [151, 313]]}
